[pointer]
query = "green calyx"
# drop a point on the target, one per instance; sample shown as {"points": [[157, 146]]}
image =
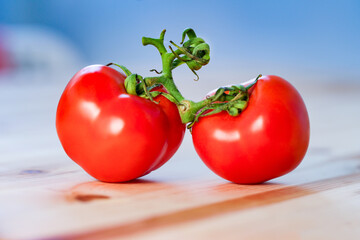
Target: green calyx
{"points": [[195, 53], [232, 99]]}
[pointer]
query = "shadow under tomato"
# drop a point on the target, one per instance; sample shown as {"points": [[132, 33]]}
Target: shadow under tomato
{"points": [[96, 190], [232, 188]]}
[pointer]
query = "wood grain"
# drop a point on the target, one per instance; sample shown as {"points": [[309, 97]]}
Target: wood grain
{"points": [[258, 200], [44, 195]]}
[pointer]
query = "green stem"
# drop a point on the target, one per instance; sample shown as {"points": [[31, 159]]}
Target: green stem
{"points": [[126, 71], [167, 58], [158, 43], [195, 53]]}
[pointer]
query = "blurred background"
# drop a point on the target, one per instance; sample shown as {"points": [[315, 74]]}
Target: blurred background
{"points": [[43, 43], [300, 40]]}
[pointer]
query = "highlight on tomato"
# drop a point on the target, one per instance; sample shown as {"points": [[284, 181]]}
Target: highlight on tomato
{"points": [[268, 139], [113, 135], [120, 127]]}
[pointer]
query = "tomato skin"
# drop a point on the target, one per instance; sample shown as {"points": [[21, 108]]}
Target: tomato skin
{"points": [[112, 135], [177, 128], [267, 140]]}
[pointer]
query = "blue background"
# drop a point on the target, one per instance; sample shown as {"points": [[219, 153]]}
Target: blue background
{"points": [[300, 40]]}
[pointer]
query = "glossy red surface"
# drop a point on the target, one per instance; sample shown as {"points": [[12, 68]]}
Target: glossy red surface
{"points": [[112, 135], [267, 140]]}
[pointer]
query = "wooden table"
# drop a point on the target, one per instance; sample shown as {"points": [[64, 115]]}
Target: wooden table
{"points": [[44, 195]]}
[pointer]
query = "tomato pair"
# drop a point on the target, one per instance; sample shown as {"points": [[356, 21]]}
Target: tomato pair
{"points": [[117, 137], [112, 135]]}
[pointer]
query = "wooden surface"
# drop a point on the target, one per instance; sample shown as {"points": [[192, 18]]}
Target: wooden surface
{"points": [[44, 195]]}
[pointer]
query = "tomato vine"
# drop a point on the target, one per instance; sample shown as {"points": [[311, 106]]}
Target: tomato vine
{"points": [[195, 53], [107, 125]]}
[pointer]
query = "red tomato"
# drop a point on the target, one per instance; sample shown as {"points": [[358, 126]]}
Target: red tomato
{"points": [[112, 135], [176, 127], [267, 140]]}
